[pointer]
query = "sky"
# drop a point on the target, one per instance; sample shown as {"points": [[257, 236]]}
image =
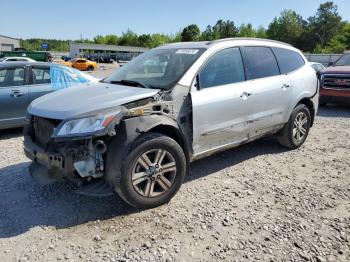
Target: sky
{"points": [[69, 19]]}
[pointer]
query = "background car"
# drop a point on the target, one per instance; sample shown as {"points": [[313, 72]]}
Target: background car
{"points": [[16, 59], [318, 67], [335, 82], [81, 64], [22, 82]]}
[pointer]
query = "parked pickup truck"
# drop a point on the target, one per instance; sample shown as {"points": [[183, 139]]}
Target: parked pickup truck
{"points": [[335, 82]]}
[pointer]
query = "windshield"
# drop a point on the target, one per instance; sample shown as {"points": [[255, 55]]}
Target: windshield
{"points": [[157, 68], [343, 61]]}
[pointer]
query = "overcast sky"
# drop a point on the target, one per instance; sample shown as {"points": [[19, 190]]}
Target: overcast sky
{"points": [[68, 19]]}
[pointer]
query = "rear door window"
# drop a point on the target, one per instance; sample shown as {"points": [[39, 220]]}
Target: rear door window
{"points": [[2, 75], [224, 67], [41, 75], [259, 62], [12, 77], [288, 60]]}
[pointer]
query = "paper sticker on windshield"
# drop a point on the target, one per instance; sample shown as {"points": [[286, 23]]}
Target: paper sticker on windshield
{"points": [[187, 51]]}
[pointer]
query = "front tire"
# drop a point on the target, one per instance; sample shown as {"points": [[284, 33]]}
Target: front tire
{"points": [[295, 132], [90, 68], [152, 172]]}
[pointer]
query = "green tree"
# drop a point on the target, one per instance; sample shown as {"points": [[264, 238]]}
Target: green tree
{"points": [[207, 34], [224, 29], [346, 33], [159, 39], [246, 30], [99, 39], [145, 40], [129, 38], [111, 39], [286, 28], [190, 33], [261, 32], [325, 25]]}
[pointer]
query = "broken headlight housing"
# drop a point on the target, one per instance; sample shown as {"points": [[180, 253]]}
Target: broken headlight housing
{"points": [[98, 123]]}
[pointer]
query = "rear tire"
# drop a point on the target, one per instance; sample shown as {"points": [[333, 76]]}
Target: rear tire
{"points": [[295, 132], [153, 171]]}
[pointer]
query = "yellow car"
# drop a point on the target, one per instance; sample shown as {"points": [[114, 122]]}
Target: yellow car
{"points": [[81, 64]]}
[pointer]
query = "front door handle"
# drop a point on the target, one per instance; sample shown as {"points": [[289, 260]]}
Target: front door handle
{"points": [[16, 93], [285, 86]]}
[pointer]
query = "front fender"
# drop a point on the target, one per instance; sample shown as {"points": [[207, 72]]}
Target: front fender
{"points": [[127, 132]]}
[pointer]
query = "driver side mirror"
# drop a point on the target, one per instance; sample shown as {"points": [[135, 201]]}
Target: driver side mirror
{"points": [[331, 64]]}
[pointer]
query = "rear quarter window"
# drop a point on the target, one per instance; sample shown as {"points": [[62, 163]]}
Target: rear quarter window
{"points": [[288, 60]]}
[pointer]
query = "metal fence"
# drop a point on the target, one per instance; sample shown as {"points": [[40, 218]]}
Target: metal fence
{"points": [[324, 59]]}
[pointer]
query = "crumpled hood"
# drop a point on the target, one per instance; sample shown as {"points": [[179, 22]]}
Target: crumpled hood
{"points": [[337, 70], [85, 98]]}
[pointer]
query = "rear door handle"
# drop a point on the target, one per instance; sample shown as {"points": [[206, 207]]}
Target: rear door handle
{"points": [[285, 86], [16, 93], [245, 95]]}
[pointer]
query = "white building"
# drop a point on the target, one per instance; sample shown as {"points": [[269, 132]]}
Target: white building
{"points": [[8, 43], [114, 52]]}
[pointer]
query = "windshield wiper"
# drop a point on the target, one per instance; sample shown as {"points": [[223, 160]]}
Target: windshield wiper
{"points": [[129, 82]]}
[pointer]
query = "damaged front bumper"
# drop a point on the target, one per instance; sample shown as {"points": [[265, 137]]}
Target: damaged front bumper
{"points": [[80, 161], [73, 164], [46, 168]]}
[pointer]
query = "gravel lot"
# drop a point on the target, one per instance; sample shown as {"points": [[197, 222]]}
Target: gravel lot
{"points": [[255, 202], [104, 70]]}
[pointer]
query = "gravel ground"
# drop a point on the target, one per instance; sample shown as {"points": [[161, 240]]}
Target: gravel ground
{"points": [[255, 202], [103, 70]]}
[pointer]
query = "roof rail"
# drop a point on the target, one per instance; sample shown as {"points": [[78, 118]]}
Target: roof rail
{"points": [[246, 38]]}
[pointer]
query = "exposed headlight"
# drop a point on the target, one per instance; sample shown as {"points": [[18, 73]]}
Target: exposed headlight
{"points": [[88, 125]]}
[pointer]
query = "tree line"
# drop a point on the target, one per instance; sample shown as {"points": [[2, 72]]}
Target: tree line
{"points": [[324, 32]]}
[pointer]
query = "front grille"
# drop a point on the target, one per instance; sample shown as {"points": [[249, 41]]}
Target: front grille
{"points": [[43, 130], [336, 82]]}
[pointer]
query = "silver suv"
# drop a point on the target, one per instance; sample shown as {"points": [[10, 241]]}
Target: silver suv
{"points": [[136, 132]]}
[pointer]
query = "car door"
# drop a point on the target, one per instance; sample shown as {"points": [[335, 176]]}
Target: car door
{"points": [[220, 102], [80, 64], [13, 95], [270, 96]]}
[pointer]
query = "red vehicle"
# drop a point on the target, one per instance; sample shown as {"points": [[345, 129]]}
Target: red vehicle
{"points": [[335, 82]]}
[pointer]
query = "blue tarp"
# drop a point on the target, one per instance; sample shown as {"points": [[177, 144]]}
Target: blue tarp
{"points": [[63, 77]]}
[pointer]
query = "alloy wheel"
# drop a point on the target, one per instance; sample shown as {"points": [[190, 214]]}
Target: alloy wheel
{"points": [[154, 173], [300, 126]]}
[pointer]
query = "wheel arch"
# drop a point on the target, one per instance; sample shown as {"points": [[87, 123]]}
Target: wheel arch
{"points": [[129, 130], [310, 105], [175, 133]]}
